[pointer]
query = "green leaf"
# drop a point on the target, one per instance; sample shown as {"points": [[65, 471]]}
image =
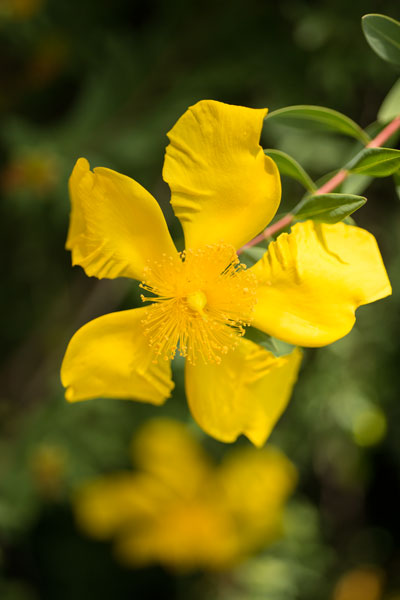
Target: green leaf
{"points": [[383, 35], [277, 347], [376, 162], [390, 108], [328, 208], [290, 167], [349, 221], [252, 255], [355, 184], [397, 183], [318, 117]]}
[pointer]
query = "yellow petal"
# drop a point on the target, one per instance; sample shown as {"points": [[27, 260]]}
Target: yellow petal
{"points": [[246, 393], [268, 478], [115, 226], [185, 536], [267, 475], [312, 280], [110, 357], [109, 504], [165, 449], [224, 188]]}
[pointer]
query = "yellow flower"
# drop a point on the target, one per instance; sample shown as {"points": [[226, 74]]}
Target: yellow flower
{"points": [[181, 510], [363, 583], [224, 191]]}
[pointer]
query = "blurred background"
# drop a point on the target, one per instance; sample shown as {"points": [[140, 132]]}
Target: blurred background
{"points": [[107, 81]]}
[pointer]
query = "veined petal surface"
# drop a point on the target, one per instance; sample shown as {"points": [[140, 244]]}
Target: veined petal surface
{"points": [[110, 357], [116, 226], [246, 393], [312, 280], [224, 188]]}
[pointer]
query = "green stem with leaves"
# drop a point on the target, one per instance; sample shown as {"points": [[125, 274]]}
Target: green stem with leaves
{"points": [[328, 187]]}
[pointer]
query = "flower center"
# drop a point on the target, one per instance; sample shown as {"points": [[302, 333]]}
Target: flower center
{"points": [[202, 302], [197, 301]]}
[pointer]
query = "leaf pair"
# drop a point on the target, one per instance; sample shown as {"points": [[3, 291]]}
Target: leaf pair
{"points": [[383, 35], [331, 208], [334, 207]]}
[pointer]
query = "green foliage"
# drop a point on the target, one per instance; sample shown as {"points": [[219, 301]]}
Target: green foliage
{"points": [[376, 162], [292, 564], [355, 184], [328, 208], [287, 165], [383, 35], [277, 347], [252, 255], [320, 118], [390, 107], [397, 183]]}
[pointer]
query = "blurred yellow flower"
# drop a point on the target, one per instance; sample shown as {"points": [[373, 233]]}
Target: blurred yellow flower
{"points": [[224, 190], [181, 510], [364, 583], [20, 10]]}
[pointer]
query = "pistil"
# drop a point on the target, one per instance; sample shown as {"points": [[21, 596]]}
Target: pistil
{"points": [[201, 304]]}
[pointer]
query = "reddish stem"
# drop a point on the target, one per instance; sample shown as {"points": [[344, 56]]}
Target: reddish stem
{"points": [[329, 186], [332, 183], [385, 134], [281, 224]]}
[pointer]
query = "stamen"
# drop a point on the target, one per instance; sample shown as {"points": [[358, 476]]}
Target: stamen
{"points": [[201, 305]]}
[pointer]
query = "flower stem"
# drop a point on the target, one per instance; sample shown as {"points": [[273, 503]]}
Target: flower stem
{"points": [[385, 134], [281, 224], [332, 183], [328, 187]]}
